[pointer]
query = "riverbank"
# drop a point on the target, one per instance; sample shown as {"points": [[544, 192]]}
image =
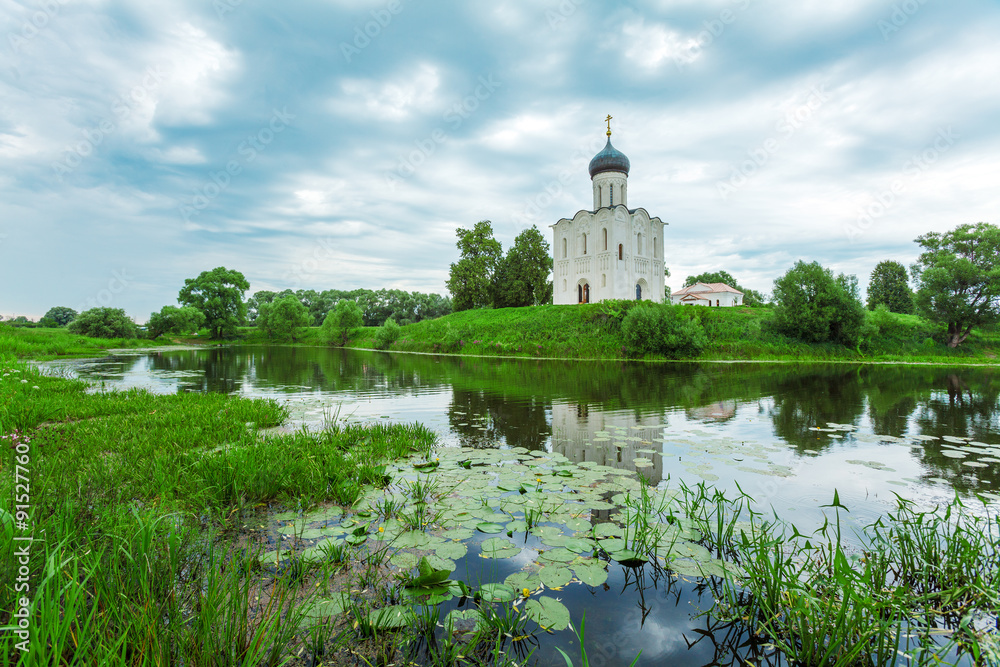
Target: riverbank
{"points": [[593, 331], [44, 344]]}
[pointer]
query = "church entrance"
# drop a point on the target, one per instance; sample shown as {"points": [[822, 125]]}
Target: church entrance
{"points": [[638, 292], [583, 293]]}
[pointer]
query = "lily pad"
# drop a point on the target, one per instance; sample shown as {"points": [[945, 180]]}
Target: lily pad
{"points": [[489, 528], [497, 547], [549, 613], [391, 618], [591, 574], [497, 593], [557, 555], [555, 576], [452, 550]]}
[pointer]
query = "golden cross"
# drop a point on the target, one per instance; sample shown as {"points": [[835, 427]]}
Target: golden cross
{"points": [[608, 119]]}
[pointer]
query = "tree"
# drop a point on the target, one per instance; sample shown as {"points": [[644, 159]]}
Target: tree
{"points": [[889, 286], [812, 305], [219, 295], [282, 318], [661, 329], [172, 319], [103, 323], [471, 277], [256, 301], [343, 321], [958, 278], [750, 297], [387, 334], [61, 315], [521, 278]]}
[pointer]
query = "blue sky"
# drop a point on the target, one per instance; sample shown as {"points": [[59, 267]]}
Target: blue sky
{"points": [[339, 144]]}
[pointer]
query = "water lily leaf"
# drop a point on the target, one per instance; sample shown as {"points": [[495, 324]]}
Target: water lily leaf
{"points": [[612, 544], [489, 528], [326, 607], [356, 539], [497, 547], [517, 526], [578, 524], [578, 544], [591, 574], [549, 613], [404, 560], [555, 576], [558, 555], [628, 557], [602, 530], [452, 550], [521, 580], [391, 618], [327, 514], [413, 539], [427, 466], [497, 593]]}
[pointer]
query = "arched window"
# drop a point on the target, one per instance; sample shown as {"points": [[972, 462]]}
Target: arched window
{"points": [[716, 302], [584, 244], [564, 247], [579, 293], [638, 291], [638, 244], [586, 293], [612, 189], [604, 234], [620, 252], [654, 247]]}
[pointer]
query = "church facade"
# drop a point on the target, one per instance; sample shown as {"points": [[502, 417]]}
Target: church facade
{"points": [[611, 252]]}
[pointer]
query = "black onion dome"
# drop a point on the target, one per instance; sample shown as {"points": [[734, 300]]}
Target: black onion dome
{"points": [[609, 159]]}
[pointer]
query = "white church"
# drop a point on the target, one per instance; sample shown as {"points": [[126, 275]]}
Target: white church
{"points": [[612, 252]]}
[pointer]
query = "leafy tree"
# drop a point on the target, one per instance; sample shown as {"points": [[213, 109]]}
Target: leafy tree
{"points": [[660, 329], [61, 315], [282, 318], [812, 305], [172, 319], [958, 278], [219, 295], [256, 301], [343, 321], [104, 323], [471, 277], [889, 286], [387, 334], [521, 278], [750, 297]]}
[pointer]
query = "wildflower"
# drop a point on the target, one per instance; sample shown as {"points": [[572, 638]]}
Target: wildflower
{"points": [[381, 529], [35, 386], [24, 382], [525, 592]]}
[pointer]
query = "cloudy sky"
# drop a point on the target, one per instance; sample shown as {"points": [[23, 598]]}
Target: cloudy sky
{"points": [[340, 143]]}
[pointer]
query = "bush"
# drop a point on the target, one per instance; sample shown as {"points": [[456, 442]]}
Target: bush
{"points": [[342, 322], [812, 305], [104, 323], [172, 319], [387, 334], [282, 318], [654, 329]]}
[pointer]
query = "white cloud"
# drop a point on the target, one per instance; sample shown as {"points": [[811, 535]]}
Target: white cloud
{"points": [[414, 91]]}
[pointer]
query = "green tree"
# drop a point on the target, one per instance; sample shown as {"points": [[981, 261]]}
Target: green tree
{"points": [[254, 303], [282, 318], [343, 321], [470, 278], [103, 323], [750, 297], [522, 277], [62, 315], [958, 278], [387, 334], [812, 305], [661, 329], [172, 319], [219, 295], [888, 285]]}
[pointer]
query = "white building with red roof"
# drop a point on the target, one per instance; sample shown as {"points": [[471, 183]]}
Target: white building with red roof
{"points": [[716, 295]]}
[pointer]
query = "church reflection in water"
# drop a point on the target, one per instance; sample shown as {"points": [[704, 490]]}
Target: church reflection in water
{"points": [[611, 438]]}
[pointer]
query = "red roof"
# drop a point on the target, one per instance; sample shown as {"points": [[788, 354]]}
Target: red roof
{"points": [[714, 288]]}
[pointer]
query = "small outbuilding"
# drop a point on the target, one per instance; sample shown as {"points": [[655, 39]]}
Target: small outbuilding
{"points": [[716, 295]]}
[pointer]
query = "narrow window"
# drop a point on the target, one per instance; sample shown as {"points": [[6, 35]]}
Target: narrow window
{"points": [[638, 292], [584, 244], [564, 248], [579, 293], [654, 248], [620, 254], [605, 235], [612, 194], [604, 280], [716, 303], [586, 293], [638, 243]]}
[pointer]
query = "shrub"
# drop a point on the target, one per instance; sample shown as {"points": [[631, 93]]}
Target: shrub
{"points": [[104, 323], [387, 334], [342, 322], [655, 329], [172, 319], [812, 305]]}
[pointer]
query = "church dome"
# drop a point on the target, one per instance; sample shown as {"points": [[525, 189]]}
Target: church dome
{"points": [[609, 159]]}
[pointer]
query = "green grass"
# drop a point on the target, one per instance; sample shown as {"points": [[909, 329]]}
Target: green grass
{"points": [[592, 331], [38, 343]]}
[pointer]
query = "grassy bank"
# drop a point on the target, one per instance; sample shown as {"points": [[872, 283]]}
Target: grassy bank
{"points": [[593, 331], [42, 344]]}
